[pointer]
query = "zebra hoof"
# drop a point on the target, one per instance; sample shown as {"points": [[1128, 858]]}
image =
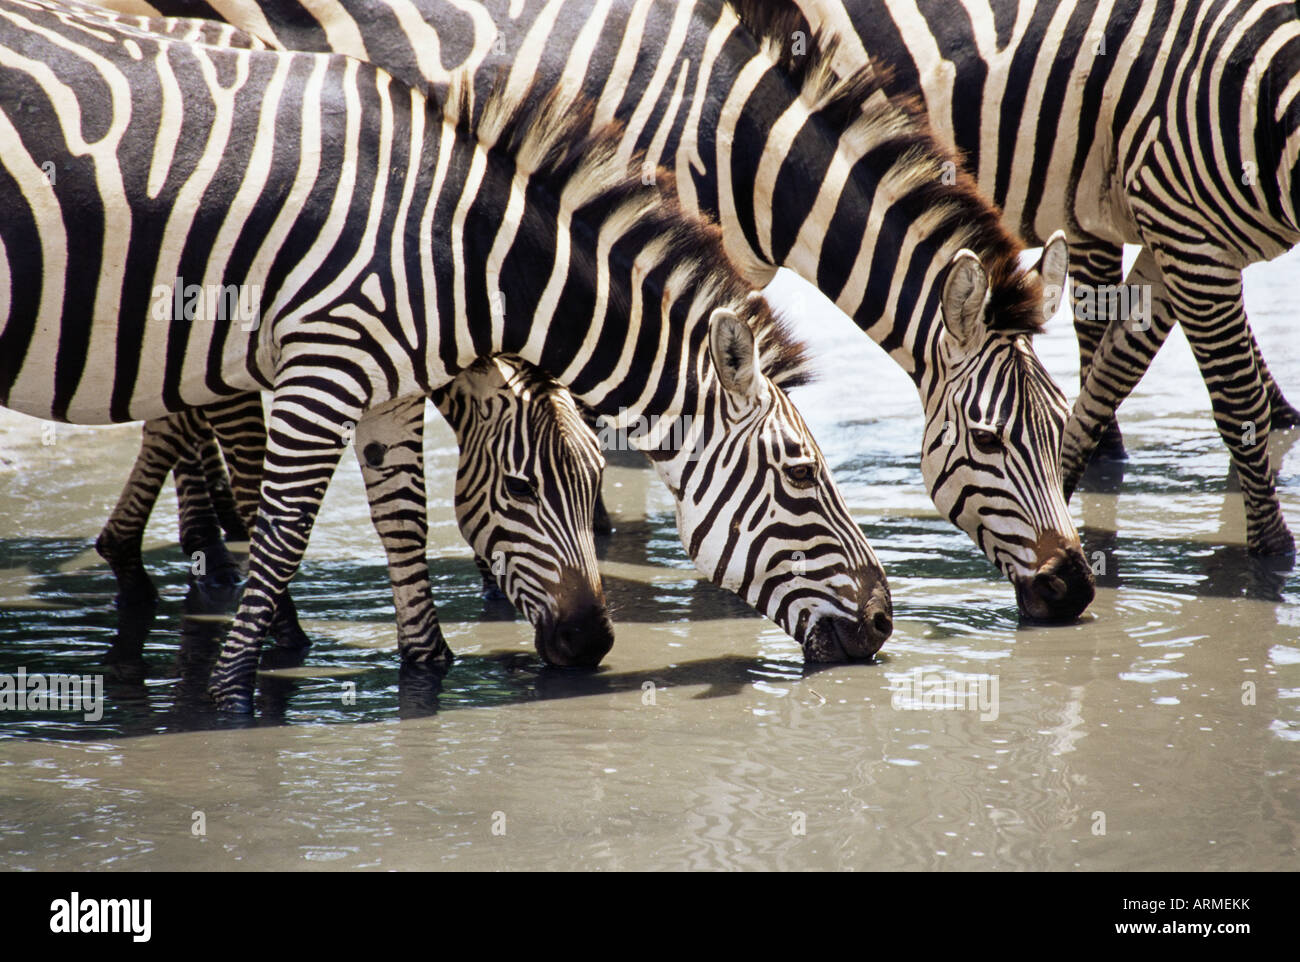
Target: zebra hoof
{"points": [[1110, 447], [135, 592], [134, 587], [1276, 543], [284, 656], [222, 571], [418, 690], [285, 632], [1284, 417], [436, 657]]}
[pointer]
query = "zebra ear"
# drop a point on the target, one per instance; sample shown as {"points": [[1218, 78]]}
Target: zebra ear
{"points": [[731, 344], [965, 292], [1052, 265]]}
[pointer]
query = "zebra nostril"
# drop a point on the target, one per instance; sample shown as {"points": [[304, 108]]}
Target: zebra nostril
{"points": [[883, 624], [374, 454]]}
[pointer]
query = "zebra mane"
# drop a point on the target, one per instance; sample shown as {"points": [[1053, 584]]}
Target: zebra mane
{"points": [[860, 107], [554, 140]]}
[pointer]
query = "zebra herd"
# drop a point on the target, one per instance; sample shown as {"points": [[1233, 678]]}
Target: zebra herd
{"points": [[533, 210]]}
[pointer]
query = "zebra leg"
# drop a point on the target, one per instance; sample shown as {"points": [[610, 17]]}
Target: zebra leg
{"points": [[1121, 358], [390, 449], [1096, 269], [304, 442], [1217, 330], [200, 529], [491, 589], [217, 485], [119, 543], [241, 431]]}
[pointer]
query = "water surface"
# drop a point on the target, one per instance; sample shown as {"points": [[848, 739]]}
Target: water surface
{"points": [[1160, 732]]}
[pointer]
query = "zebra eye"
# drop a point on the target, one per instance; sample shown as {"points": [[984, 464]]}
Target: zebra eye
{"points": [[986, 441], [801, 475], [520, 489]]}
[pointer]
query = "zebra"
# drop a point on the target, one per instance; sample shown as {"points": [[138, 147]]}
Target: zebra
{"points": [[803, 169], [543, 557], [526, 483], [386, 240], [1169, 125]]}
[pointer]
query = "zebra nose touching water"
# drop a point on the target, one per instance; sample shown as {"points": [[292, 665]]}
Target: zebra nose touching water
{"points": [[778, 534], [378, 232], [995, 429], [526, 486], [511, 423]]}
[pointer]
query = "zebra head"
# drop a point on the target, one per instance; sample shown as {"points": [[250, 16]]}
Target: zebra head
{"points": [[757, 509], [526, 488], [991, 454]]}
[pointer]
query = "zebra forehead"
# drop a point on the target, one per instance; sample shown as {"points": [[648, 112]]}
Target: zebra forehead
{"points": [[1008, 380]]}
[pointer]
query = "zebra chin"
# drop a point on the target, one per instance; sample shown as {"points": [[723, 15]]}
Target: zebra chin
{"points": [[1058, 591], [579, 639]]}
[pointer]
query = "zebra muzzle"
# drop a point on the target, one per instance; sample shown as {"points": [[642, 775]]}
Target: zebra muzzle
{"points": [[835, 638], [578, 640], [1059, 590]]}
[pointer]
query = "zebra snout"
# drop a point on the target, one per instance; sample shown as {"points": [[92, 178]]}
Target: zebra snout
{"points": [[578, 639], [1059, 590], [880, 617], [836, 638]]}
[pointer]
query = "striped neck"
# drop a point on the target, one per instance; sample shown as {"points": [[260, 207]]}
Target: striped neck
{"points": [[540, 244], [852, 191]]}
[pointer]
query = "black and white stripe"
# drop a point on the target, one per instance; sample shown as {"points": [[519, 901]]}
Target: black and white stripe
{"points": [[380, 234], [1175, 126], [525, 492], [804, 170], [541, 547]]}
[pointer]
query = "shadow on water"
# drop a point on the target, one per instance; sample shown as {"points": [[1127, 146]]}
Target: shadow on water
{"points": [[145, 694], [58, 618], [1195, 568]]}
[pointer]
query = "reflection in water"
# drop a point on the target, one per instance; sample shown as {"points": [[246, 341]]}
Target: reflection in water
{"points": [[1171, 708]]}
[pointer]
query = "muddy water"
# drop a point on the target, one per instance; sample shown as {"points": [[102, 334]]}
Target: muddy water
{"points": [[1161, 732]]}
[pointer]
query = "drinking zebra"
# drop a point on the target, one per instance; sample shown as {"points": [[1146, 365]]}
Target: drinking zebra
{"points": [[1175, 126], [526, 484], [383, 236], [523, 491], [802, 169]]}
